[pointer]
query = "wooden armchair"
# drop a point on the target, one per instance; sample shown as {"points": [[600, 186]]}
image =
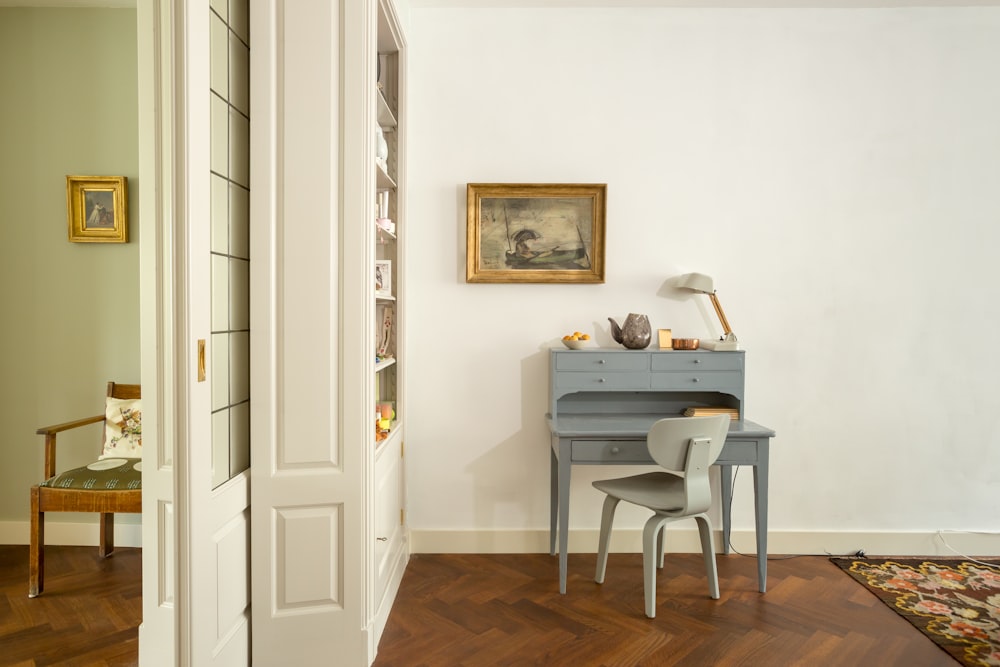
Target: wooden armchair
{"points": [[111, 484]]}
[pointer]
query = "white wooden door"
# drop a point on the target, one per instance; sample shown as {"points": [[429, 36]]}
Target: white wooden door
{"points": [[311, 317], [214, 530], [195, 531]]}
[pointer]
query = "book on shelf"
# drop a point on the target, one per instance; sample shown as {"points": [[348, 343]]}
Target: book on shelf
{"points": [[709, 410]]}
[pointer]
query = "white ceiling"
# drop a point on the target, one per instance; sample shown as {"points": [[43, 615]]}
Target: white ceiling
{"points": [[786, 4]]}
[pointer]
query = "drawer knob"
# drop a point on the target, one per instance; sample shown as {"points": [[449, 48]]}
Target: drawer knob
{"points": [[601, 380], [695, 380], [601, 361], [697, 361], [615, 450]]}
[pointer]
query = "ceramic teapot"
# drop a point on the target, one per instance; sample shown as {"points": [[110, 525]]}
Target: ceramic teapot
{"points": [[635, 334]]}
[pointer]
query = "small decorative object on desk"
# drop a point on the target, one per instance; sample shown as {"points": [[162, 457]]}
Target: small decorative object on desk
{"points": [[666, 339], [635, 334], [685, 343], [577, 341], [709, 410]]}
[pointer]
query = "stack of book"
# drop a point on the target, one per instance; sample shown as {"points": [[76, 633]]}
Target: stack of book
{"points": [[708, 410]]}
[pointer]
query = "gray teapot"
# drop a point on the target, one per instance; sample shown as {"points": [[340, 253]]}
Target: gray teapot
{"points": [[635, 334]]}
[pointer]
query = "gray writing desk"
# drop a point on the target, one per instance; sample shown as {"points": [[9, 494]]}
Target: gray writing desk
{"points": [[603, 402]]}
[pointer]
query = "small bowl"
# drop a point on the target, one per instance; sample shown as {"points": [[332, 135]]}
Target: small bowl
{"points": [[685, 343], [577, 344]]}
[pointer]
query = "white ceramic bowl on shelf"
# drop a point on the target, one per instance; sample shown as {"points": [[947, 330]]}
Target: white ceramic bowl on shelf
{"points": [[577, 344]]}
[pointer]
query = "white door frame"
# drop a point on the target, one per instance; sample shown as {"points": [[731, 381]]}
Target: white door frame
{"points": [[158, 201]]}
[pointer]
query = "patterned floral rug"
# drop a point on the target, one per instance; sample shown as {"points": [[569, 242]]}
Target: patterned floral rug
{"points": [[956, 603]]}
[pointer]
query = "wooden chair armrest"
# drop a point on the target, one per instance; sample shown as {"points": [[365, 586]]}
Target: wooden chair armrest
{"points": [[59, 428], [50, 439]]}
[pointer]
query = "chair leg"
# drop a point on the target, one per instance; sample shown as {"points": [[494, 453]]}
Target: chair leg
{"points": [[652, 539], [607, 518], [107, 534], [36, 550], [708, 551], [660, 539]]}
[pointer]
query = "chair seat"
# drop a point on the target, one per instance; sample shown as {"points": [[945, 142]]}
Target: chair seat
{"points": [[115, 474], [659, 491]]}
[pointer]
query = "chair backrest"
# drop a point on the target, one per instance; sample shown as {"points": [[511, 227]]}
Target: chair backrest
{"points": [[689, 445], [124, 390]]}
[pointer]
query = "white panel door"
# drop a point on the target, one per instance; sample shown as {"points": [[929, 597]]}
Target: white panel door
{"points": [[213, 518], [312, 370], [195, 531]]}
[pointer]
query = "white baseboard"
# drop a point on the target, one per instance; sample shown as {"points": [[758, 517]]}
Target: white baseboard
{"points": [[128, 533], [684, 540], [680, 540]]}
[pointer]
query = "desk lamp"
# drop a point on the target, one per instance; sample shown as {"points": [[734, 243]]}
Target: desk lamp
{"points": [[699, 282]]}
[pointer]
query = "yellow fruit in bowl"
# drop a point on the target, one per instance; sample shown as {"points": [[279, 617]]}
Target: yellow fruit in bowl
{"points": [[585, 337]]}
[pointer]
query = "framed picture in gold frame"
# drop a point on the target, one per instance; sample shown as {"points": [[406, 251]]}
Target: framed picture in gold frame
{"points": [[97, 209], [535, 232]]}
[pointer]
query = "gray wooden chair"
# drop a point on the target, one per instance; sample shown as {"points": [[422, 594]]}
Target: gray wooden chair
{"points": [[685, 447]]}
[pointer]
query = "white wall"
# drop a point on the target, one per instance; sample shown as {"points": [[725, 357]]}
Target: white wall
{"points": [[836, 171]]}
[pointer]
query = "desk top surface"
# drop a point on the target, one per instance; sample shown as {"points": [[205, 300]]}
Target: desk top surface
{"points": [[632, 425]]}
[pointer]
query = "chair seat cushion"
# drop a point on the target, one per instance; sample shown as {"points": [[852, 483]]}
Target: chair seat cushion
{"points": [[658, 491], [104, 475]]}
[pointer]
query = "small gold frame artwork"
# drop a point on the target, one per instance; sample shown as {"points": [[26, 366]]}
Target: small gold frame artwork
{"points": [[666, 341], [535, 233], [97, 209]]}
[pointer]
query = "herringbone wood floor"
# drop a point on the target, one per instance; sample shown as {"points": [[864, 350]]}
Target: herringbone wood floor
{"points": [[472, 610], [479, 610], [87, 616]]}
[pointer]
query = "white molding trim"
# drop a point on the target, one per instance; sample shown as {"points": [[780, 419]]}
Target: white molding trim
{"points": [[64, 533], [685, 540]]}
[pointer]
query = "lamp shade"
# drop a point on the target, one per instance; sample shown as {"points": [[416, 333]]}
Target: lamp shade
{"points": [[696, 282]]}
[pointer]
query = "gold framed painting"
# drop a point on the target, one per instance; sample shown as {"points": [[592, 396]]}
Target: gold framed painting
{"points": [[97, 208], [535, 232]]}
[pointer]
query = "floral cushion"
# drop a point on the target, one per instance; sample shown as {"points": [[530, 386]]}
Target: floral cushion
{"points": [[122, 429], [104, 475]]}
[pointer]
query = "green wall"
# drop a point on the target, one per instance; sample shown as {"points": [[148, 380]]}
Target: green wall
{"points": [[70, 311]]}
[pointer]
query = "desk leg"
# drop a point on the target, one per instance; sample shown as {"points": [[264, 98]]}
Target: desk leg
{"points": [[760, 474], [564, 476], [553, 498], [726, 486]]}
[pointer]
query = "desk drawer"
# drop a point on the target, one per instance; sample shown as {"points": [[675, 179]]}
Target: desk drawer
{"points": [[739, 451], [697, 361], [602, 381], [610, 451], [587, 360], [725, 381]]}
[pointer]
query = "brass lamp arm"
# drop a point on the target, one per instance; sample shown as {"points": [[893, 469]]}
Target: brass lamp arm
{"points": [[729, 335]]}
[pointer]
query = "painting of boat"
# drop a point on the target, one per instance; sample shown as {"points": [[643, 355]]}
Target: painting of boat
{"points": [[528, 254]]}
